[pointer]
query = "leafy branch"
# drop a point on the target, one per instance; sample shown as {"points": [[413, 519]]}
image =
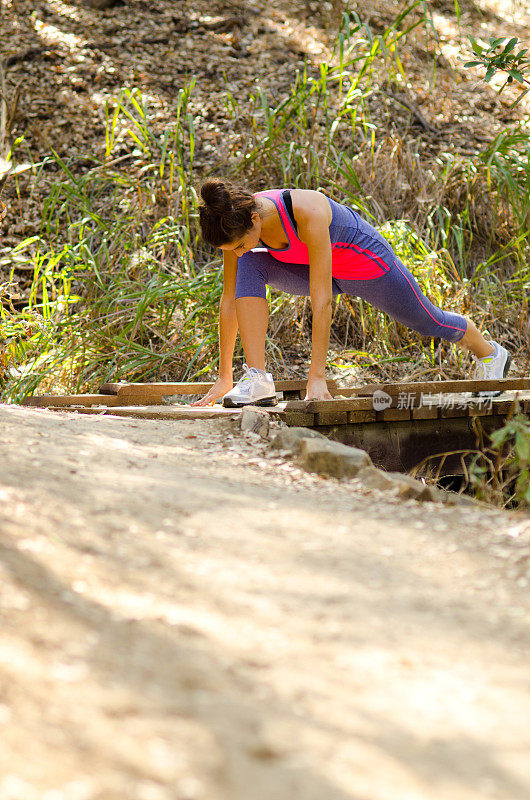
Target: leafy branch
{"points": [[501, 56]]}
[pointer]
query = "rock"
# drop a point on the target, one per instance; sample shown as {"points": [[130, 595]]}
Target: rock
{"points": [[290, 438], [455, 499], [409, 487], [374, 478], [255, 420], [332, 458], [402, 485], [437, 495]]}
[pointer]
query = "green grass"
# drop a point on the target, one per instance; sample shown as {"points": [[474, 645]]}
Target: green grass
{"points": [[123, 288]]}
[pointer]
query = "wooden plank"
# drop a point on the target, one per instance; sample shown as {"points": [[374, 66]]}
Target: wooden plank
{"points": [[412, 399], [166, 412], [155, 412], [111, 388], [291, 394], [501, 406], [317, 406], [56, 401], [169, 388], [392, 414], [457, 409], [331, 418], [152, 392], [480, 409], [357, 417], [428, 387], [295, 418], [299, 384], [425, 412]]}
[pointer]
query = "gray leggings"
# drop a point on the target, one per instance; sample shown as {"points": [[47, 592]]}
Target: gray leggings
{"points": [[397, 292]]}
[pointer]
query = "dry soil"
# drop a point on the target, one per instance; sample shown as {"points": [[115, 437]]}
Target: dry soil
{"points": [[187, 617]]}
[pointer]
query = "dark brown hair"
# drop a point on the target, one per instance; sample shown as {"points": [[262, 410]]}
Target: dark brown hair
{"points": [[225, 212]]}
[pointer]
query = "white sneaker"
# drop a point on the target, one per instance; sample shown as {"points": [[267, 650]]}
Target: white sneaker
{"points": [[253, 388], [494, 366]]}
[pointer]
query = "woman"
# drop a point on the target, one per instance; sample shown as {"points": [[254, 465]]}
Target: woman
{"points": [[304, 243]]}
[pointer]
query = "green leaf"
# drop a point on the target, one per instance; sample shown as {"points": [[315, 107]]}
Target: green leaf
{"points": [[518, 100], [477, 48], [494, 43], [522, 445], [517, 75], [490, 73], [511, 44], [498, 437], [473, 64]]}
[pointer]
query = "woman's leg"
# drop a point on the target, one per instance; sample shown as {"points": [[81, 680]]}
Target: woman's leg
{"points": [[255, 270], [474, 341], [399, 295], [253, 321]]}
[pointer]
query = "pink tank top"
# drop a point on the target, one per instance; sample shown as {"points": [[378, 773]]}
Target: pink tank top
{"points": [[296, 251], [352, 256]]}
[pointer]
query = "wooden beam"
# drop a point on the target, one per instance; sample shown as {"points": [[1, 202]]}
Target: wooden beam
{"points": [[331, 418], [501, 406], [152, 393], [393, 414], [60, 400], [295, 418], [425, 412], [356, 417], [159, 390], [165, 412], [412, 400], [434, 387], [111, 388], [479, 410], [458, 410], [328, 406]]}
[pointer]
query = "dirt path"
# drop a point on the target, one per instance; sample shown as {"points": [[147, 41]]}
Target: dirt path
{"points": [[182, 623]]}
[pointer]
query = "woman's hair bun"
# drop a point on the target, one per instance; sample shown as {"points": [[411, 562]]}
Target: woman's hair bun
{"points": [[225, 212], [216, 196]]}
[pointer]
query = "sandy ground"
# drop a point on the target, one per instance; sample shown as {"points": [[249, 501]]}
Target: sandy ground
{"points": [[185, 617]]}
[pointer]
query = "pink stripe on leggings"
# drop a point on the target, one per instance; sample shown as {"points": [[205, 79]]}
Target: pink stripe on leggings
{"points": [[453, 327]]}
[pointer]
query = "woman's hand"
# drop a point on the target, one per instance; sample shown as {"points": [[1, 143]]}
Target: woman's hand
{"points": [[317, 389], [220, 387]]}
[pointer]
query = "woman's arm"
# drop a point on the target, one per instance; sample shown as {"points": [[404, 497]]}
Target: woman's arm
{"points": [[313, 216], [227, 332], [227, 335]]}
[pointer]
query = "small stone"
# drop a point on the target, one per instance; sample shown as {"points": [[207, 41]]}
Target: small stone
{"points": [[403, 485], [254, 420], [375, 478], [289, 439], [411, 488], [455, 499], [332, 458], [251, 435]]}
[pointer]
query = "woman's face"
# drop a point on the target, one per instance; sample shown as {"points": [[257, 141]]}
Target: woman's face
{"points": [[248, 240]]}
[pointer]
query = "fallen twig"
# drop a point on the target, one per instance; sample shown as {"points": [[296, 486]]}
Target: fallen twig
{"points": [[413, 110]]}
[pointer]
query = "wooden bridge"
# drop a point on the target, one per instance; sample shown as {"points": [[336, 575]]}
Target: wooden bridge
{"points": [[398, 424]]}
